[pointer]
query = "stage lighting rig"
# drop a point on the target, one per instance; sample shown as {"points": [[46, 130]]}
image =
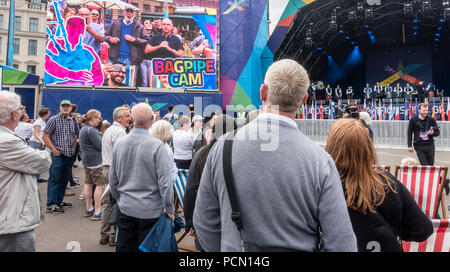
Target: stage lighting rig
{"points": [[445, 4], [352, 15], [368, 16], [408, 9], [333, 22], [447, 14], [426, 6], [360, 7]]}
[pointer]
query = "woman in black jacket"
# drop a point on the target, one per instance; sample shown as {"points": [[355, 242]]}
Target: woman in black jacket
{"points": [[382, 210], [223, 124]]}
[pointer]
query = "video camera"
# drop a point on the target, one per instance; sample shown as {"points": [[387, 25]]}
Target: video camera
{"points": [[352, 111]]}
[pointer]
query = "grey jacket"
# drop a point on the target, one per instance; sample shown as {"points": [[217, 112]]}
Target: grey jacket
{"points": [[286, 186], [90, 146], [140, 176], [20, 209]]}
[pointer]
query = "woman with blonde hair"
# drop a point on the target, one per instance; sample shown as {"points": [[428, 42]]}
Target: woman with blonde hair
{"points": [[382, 211], [91, 156], [163, 130], [367, 121]]}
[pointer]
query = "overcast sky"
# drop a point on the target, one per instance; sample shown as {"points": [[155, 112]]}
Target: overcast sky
{"points": [[276, 8]]}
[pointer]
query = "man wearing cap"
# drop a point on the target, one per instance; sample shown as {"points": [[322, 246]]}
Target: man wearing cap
{"points": [[60, 136], [197, 121], [165, 44], [126, 37]]}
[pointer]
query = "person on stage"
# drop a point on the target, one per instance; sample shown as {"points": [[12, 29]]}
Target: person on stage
{"points": [[329, 92], [421, 131], [398, 91], [388, 91], [378, 91], [408, 92], [367, 92], [349, 92], [338, 92], [420, 92]]}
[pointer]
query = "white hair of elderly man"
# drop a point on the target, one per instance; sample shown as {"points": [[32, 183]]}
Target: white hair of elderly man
{"points": [[142, 115]]}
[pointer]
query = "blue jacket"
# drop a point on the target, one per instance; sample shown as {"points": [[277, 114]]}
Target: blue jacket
{"points": [[161, 237]]}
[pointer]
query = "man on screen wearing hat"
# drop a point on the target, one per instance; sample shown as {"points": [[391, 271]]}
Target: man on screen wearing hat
{"points": [[126, 37], [60, 136]]}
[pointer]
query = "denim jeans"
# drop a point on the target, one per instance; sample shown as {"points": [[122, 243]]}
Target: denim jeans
{"points": [[60, 171], [125, 60], [38, 146], [146, 70]]}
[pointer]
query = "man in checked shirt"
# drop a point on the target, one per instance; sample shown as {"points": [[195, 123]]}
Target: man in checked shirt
{"points": [[60, 136]]}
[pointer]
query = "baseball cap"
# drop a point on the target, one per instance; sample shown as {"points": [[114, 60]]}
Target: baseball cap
{"points": [[197, 117], [65, 102], [129, 7]]}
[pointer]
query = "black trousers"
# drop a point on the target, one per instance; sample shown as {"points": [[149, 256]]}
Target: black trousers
{"points": [[425, 153], [132, 232]]}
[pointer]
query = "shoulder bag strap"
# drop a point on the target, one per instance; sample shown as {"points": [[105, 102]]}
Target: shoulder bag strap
{"points": [[229, 182]]}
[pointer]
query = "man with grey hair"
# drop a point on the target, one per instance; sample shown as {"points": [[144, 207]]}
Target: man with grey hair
{"points": [[122, 118], [292, 182], [140, 180], [20, 211]]}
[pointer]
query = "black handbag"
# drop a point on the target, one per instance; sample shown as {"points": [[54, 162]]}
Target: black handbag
{"points": [[236, 214]]}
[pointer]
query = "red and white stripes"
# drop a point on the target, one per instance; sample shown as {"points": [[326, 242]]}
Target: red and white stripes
{"points": [[439, 241], [423, 183]]}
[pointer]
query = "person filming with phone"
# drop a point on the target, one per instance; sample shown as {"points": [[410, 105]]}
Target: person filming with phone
{"points": [[115, 74], [424, 128]]}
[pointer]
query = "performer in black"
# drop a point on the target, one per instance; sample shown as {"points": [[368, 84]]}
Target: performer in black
{"points": [[424, 129], [338, 93], [349, 92], [329, 93], [420, 92]]}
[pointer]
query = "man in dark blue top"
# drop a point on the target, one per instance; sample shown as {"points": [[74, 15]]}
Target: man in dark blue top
{"points": [[126, 37], [165, 44]]}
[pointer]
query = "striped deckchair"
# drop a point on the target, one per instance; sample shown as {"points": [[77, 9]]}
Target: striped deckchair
{"points": [[180, 187], [439, 241], [425, 183]]}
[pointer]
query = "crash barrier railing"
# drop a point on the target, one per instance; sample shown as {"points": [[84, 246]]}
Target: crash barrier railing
{"points": [[386, 134]]}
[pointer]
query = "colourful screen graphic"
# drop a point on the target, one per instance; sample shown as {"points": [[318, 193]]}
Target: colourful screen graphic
{"points": [[173, 50]]}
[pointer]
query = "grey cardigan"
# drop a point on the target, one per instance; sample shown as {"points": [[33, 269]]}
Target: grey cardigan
{"points": [[284, 193], [140, 176], [91, 146]]}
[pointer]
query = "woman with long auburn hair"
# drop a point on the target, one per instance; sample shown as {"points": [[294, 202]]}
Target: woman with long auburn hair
{"points": [[382, 211]]}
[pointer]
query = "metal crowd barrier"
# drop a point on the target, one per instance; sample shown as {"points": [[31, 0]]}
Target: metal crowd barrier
{"points": [[386, 134]]}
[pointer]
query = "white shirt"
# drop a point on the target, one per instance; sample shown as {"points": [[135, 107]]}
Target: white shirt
{"points": [[112, 134], [41, 123], [24, 130], [183, 142]]}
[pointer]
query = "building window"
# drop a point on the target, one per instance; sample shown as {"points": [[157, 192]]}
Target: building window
{"points": [[2, 2], [32, 47], [1, 44], [17, 23], [1, 21], [16, 46], [31, 69], [158, 9], [146, 8], [34, 24]]}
